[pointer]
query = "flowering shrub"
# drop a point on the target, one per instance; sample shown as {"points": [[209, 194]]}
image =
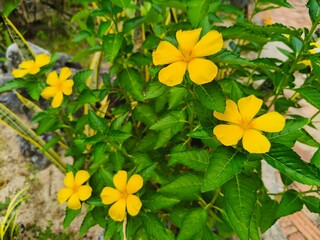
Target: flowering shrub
{"points": [[163, 122]]}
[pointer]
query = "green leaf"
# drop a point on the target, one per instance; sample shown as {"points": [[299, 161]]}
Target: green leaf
{"points": [[70, 216], [34, 89], [289, 162], [296, 44], [155, 229], [122, 3], [192, 224], [133, 23], [145, 113], [311, 95], [118, 136], [177, 96], [312, 203], [117, 160], [240, 32], [240, 198], [96, 122], [186, 186], [314, 10], [196, 9], [268, 213], [224, 164], [111, 45], [157, 201], [80, 79], [316, 158], [231, 88], [87, 223], [307, 139], [199, 134], [81, 35], [210, 95], [155, 89], [290, 203], [194, 159], [170, 119], [291, 132], [165, 135], [13, 84], [131, 81]]}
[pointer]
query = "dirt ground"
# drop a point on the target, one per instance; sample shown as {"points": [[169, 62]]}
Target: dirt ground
{"points": [[41, 209]]}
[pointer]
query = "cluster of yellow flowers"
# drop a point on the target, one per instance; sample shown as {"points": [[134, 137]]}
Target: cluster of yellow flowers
{"points": [[122, 196], [58, 85], [187, 57]]}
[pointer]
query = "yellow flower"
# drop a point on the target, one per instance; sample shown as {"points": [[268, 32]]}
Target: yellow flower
{"points": [[75, 191], [31, 66], [267, 20], [58, 86], [316, 49], [241, 124], [188, 56], [122, 196]]}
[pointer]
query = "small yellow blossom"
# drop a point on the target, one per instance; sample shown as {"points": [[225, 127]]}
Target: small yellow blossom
{"points": [[75, 191], [122, 196], [315, 49], [188, 56], [241, 124], [59, 86], [31, 66], [267, 20]]}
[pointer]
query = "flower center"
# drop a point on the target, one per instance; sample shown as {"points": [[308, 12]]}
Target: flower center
{"points": [[187, 55], [246, 124], [75, 188]]}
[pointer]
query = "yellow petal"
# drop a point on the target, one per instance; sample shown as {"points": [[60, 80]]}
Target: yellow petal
{"points": [[34, 70], [67, 87], [133, 205], [187, 40], [134, 184], [254, 142], [227, 134], [57, 100], [118, 210], [48, 92], [81, 177], [27, 64], [249, 107], [74, 202], [166, 53], [52, 78], [269, 122], [64, 194], [65, 73], [18, 73], [209, 44], [120, 180], [173, 74], [110, 195], [202, 71], [42, 59], [231, 114], [84, 192], [69, 180]]}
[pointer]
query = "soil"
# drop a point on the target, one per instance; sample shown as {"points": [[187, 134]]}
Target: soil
{"points": [[41, 210]]}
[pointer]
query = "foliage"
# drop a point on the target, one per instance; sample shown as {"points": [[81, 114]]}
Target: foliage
{"points": [[195, 184], [8, 226]]}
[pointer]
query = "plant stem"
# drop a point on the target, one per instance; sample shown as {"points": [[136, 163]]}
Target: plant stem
{"points": [[124, 227]]}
